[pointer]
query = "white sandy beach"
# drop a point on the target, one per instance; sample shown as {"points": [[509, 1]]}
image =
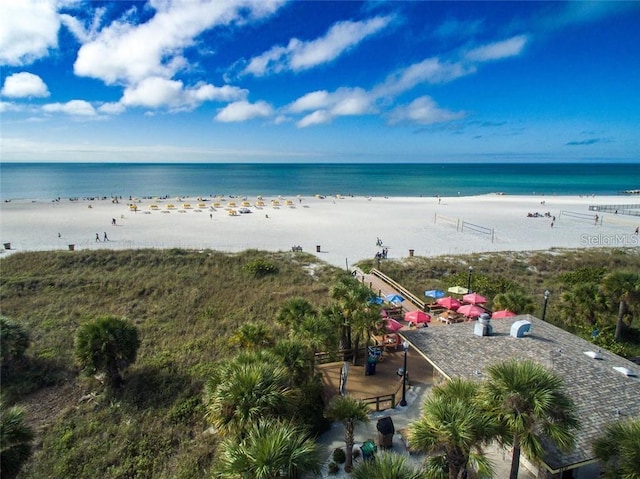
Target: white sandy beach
{"points": [[344, 228]]}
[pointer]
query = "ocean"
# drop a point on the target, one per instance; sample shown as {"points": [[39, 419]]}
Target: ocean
{"points": [[82, 180]]}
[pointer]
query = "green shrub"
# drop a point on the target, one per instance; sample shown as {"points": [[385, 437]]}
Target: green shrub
{"points": [[260, 267], [339, 455], [333, 468], [14, 341]]}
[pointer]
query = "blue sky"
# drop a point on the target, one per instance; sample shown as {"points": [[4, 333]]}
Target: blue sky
{"points": [[319, 81]]}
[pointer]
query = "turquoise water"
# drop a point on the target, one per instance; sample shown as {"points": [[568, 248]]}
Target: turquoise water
{"points": [[66, 180]]}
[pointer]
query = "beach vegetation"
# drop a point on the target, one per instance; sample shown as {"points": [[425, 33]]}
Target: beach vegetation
{"points": [[350, 412], [530, 404], [196, 312], [387, 465], [515, 301], [107, 345], [622, 288], [16, 438], [14, 341], [618, 449], [453, 430]]}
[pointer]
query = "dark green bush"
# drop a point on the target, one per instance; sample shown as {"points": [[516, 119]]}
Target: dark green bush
{"points": [[339, 456], [260, 267]]}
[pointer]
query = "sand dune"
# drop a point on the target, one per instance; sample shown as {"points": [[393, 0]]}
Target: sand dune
{"points": [[344, 229]]}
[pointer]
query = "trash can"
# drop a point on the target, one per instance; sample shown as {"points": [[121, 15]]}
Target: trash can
{"points": [[317, 248], [72, 247], [386, 429], [411, 252], [370, 368], [368, 449]]}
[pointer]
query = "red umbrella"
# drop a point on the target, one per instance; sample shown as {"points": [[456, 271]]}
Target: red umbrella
{"points": [[474, 298], [503, 313], [470, 310], [449, 303], [417, 317], [392, 325]]}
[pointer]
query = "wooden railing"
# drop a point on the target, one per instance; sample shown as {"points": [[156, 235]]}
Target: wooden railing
{"points": [[379, 401], [406, 294], [339, 355]]}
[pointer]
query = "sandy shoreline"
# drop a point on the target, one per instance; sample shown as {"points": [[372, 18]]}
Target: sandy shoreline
{"points": [[344, 228]]}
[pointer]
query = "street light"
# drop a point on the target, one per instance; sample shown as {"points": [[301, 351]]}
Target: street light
{"points": [[546, 300], [469, 279], [403, 401]]}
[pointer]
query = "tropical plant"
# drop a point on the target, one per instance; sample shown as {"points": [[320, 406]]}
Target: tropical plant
{"points": [[247, 389], [387, 465], [350, 412], [293, 311], [515, 301], [14, 341], [618, 449], [270, 449], [622, 287], [15, 441], [108, 344], [364, 322], [296, 357], [530, 404], [453, 429], [581, 303], [253, 335]]}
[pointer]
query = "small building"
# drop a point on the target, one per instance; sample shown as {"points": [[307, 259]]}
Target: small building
{"points": [[604, 386]]}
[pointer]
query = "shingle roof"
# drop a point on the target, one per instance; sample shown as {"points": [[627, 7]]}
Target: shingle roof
{"points": [[602, 395]]}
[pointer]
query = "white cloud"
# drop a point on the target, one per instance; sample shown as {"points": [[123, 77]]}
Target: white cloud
{"points": [[24, 84], [128, 53], [243, 111], [430, 70], [310, 101], [28, 29], [423, 110], [299, 55], [112, 108], [156, 92], [318, 117], [84, 33], [73, 107], [498, 50]]}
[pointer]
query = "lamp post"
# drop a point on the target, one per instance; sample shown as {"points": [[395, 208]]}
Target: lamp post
{"points": [[403, 401], [469, 279], [546, 300]]}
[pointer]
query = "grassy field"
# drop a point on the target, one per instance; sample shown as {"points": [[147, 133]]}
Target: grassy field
{"points": [[187, 306]]}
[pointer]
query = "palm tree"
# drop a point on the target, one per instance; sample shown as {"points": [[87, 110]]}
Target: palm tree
{"points": [[350, 412], [618, 449], [388, 465], [271, 449], [581, 303], [529, 402], [296, 357], [453, 429], [366, 320], [350, 296], [622, 287], [109, 345], [14, 341], [514, 301], [246, 389], [293, 311], [15, 441]]}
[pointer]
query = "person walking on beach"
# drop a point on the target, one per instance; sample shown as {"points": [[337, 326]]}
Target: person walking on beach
{"points": [[97, 237], [105, 236]]}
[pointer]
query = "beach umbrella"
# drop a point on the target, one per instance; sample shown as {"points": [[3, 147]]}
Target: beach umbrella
{"points": [[449, 303], [392, 325], [394, 298], [417, 317], [470, 310], [474, 298], [458, 290], [383, 313], [503, 313], [435, 293], [375, 300]]}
